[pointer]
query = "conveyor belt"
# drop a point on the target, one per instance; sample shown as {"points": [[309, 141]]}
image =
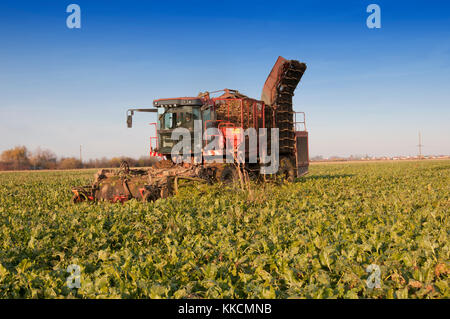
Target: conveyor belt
{"points": [[277, 92]]}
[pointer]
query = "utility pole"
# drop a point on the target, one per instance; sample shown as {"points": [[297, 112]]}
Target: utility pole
{"points": [[420, 146], [81, 159]]}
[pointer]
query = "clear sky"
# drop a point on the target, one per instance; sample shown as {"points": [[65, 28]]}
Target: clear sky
{"points": [[366, 91]]}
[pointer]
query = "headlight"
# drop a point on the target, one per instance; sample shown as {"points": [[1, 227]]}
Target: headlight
{"points": [[167, 142]]}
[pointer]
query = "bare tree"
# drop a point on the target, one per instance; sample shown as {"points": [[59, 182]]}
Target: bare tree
{"points": [[69, 163], [16, 158], [43, 159]]}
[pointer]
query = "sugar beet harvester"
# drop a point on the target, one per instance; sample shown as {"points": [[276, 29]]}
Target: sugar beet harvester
{"points": [[229, 114]]}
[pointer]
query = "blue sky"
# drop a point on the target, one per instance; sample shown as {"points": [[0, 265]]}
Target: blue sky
{"points": [[366, 91]]}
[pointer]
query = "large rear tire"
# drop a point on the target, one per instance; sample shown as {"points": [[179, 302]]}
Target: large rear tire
{"points": [[229, 175], [286, 171]]}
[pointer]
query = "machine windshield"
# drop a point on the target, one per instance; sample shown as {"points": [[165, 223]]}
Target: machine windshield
{"points": [[179, 117]]}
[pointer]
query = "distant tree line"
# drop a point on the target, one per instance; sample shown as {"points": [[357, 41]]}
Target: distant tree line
{"points": [[20, 158]]}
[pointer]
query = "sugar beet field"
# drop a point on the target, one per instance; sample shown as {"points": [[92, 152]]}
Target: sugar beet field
{"points": [[313, 238]]}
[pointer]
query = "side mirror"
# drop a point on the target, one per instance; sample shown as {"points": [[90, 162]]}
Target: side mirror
{"points": [[130, 121]]}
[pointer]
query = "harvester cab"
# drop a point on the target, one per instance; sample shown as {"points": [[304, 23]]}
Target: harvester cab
{"points": [[175, 114], [172, 114]]}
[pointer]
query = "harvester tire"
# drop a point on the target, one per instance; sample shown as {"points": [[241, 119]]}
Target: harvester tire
{"points": [[148, 197], [286, 170], [165, 191], [229, 175]]}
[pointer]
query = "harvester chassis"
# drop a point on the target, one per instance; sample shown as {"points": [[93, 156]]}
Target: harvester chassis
{"points": [[230, 113]]}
